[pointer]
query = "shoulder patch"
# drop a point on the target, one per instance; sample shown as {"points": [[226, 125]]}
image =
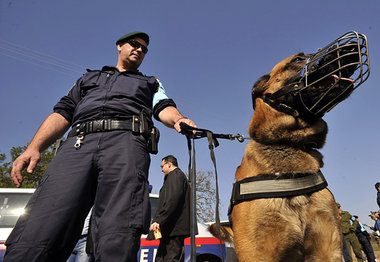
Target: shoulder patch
{"points": [[159, 84], [71, 88]]}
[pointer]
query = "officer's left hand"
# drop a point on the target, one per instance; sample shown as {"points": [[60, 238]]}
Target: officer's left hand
{"points": [[186, 121]]}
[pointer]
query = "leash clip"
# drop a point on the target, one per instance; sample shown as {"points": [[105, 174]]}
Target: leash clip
{"points": [[79, 141], [238, 137]]}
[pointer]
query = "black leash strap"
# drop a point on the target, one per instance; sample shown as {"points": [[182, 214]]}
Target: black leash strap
{"points": [[213, 142], [193, 213]]}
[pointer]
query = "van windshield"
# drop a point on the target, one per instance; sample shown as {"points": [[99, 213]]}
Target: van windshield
{"points": [[11, 207]]}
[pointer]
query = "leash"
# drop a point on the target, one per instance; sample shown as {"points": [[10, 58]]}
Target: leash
{"points": [[213, 143]]}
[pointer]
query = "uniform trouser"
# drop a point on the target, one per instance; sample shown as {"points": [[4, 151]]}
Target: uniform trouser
{"points": [[352, 240], [346, 252], [367, 247], [109, 171], [171, 250]]}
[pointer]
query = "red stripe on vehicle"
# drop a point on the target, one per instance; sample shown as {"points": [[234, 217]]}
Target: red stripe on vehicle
{"points": [[198, 241], [204, 241], [146, 243]]}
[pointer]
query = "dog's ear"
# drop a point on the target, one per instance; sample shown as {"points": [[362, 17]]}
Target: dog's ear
{"points": [[259, 87]]}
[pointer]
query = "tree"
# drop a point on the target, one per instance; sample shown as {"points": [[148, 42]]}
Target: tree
{"points": [[5, 170], [205, 199], [29, 180]]}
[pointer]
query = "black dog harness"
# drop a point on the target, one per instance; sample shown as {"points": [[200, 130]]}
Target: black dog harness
{"points": [[275, 185]]}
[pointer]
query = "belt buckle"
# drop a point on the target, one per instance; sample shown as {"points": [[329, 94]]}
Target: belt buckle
{"points": [[98, 125]]}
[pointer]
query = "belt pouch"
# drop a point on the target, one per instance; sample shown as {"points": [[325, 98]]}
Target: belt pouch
{"points": [[136, 125], [153, 140]]}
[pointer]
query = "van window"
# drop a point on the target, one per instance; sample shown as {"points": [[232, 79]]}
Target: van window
{"points": [[153, 207], [11, 207]]}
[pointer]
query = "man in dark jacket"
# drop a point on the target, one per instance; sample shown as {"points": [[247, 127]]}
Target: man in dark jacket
{"points": [[172, 216]]}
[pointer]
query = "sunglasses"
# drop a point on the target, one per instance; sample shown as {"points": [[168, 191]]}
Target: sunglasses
{"points": [[137, 45]]}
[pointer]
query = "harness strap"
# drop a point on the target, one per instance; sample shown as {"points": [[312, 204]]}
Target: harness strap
{"points": [[273, 185]]}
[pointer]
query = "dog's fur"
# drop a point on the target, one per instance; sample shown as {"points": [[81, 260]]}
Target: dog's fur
{"points": [[300, 228]]}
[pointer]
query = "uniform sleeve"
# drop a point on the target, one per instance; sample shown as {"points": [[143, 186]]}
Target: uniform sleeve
{"points": [[66, 106], [161, 100], [171, 199], [355, 224]]}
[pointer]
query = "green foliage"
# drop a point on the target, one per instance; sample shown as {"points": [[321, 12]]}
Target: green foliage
{"points": [[29, 180], [5, 170]]}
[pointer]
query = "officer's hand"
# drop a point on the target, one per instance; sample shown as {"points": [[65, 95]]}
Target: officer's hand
{"points": [[28, 159], [186, 121]]}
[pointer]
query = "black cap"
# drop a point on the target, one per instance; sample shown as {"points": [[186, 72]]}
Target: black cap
{"points": [[128, 36], [377, 185]]}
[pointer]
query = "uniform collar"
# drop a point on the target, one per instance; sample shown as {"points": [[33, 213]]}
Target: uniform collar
{"points": [[114, 69]]}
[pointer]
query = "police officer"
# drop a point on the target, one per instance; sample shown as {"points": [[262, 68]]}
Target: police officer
{"points": [[349, 235], [103, 163]]}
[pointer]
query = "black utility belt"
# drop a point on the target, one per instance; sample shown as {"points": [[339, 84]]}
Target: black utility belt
{"points": [[138, 125], [100, 126]]}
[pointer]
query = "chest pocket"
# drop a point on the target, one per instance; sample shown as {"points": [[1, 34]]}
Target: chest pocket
{"points": [[90, 82], [135, 88]]}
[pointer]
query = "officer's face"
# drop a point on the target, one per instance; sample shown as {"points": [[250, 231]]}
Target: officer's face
{"points": [[130, 57]]}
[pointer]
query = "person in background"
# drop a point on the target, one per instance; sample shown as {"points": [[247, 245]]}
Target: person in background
{"points": [[349, 235], [364, 239], [80, 254], [377, 186], [376, 227], [346, 252], [172, 217]]}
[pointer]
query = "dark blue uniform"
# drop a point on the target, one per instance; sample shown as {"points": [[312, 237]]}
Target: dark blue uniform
{"points": [[109, 170]]}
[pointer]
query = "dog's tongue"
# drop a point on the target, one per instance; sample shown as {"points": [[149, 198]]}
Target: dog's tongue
{"points": [[343, 78]]}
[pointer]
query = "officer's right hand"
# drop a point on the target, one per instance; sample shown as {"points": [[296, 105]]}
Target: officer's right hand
{"points": [[28, 159]]}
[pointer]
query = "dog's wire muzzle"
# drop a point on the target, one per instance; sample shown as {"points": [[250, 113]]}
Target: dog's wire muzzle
{"points": [[342, 66]]}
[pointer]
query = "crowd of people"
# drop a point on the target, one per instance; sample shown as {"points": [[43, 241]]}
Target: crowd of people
{"points": [[355, 235]]}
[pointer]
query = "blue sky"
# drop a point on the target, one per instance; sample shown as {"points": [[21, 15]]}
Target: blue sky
{"points": [[207, 54]]}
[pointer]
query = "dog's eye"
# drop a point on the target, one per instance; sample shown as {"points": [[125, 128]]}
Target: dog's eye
{"points": [[298, 59]]}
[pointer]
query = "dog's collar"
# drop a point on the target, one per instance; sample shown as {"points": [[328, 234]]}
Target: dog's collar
{"points": [[276, 185]]}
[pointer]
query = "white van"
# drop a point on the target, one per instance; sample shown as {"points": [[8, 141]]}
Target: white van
{"points": [[12, 203], [14, 200]]}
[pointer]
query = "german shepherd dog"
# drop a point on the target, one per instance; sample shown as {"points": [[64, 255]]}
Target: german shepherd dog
{"points": [[287, 130]]}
